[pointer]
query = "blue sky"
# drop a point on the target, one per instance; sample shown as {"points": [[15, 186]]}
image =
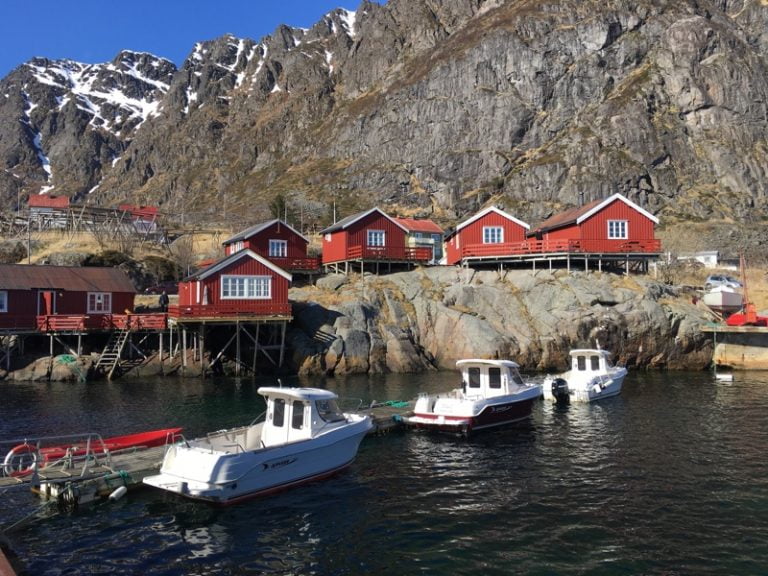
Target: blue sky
{"points": [[94, 31]]}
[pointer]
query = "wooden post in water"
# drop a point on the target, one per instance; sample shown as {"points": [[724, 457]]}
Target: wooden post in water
{"points": [[237, 348]]}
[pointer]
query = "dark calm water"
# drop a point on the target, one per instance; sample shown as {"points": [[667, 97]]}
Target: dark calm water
{"points": [[669, 478]]}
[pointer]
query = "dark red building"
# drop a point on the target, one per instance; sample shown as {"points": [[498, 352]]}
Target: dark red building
{"points": [[36, 297], [276, 241], [610, 225], [370, 235], [489, 233], [242, 284]]}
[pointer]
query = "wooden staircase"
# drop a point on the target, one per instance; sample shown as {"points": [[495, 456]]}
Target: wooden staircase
{"points": [[110, 356]]}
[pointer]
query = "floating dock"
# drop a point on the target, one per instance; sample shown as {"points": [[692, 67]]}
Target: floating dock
{"points": [[94, 478]]}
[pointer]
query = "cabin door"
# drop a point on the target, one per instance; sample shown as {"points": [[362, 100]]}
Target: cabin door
{"points": [[46, 303]]}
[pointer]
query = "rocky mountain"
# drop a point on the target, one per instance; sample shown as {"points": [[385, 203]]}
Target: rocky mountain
{"points": [[425, 107]]}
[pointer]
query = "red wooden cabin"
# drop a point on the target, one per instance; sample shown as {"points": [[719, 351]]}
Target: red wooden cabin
{"points": [[489, 233], [243, 284], [276, 241], [611, 225], [54, 298], [370, 235]]}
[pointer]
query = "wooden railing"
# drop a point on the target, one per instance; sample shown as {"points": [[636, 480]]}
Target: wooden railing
{"points": [[521, 248], [407, 253], [229, 310], [290, 264], [81, 322]]}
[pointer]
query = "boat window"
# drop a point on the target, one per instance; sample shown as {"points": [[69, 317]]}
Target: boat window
{"points": [[329, 411], [595, 362], [516, 378], [278, 412], [474, 377], [297, 418], [581, 362], [494, 377]]}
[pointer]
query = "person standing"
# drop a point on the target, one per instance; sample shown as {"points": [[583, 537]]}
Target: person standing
{"points": [[164, 302]]}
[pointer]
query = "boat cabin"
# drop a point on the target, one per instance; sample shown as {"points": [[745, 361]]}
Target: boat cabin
{"points": [[489, 378], [295, 414], [590, 361]]}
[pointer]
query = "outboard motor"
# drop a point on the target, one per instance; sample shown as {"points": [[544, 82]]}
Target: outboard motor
{"points": [[560, 391]]}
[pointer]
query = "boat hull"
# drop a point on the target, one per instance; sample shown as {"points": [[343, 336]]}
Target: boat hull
{"points": [[476, 416], [193, 472], [597, 388], [724, 301]]}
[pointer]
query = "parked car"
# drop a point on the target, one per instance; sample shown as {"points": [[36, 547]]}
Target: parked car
{"points": [[167, 287], [714, 280]]}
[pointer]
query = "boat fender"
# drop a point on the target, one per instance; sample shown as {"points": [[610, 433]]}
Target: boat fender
{"points": [[118, 493], [20, 460], [560, 391]]}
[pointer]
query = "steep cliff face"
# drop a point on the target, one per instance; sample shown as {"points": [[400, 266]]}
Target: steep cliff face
{"points": [[427, 106], [416, 321]]}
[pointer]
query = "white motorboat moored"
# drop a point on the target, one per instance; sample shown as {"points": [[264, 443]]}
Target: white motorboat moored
{"points": [[592, 376], [492, 394], [303, 437]]}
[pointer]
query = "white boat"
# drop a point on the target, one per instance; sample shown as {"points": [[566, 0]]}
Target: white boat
{"points": [[724, 299], [492, 394], [303, 437], [592, 376]]}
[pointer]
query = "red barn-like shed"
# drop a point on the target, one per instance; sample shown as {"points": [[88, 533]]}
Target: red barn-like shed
{"points": [[276, 241], [489, 233], [36, 296], [610, 225], [241, 284], [370, 235]]}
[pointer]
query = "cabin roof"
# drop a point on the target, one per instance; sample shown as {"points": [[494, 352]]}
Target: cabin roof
{"points": [[47, 201], [69, 278], [349, 220], [297, 393], [420, 225], [227, 260], [253, 230], [483, 362], [578, 214], [590, 352]]}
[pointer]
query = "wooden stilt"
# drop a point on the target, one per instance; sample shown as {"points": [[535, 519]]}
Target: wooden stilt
{"points": [[282, 346], [202, 349], [237, 348], [160, 352], [183, 349]]}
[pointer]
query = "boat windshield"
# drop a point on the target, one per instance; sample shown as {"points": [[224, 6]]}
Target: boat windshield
{"points": [[514, 375], [329, 410]]}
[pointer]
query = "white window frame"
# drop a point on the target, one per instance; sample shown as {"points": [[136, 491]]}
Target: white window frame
{"points": [[3, 301], [376, 238], [493, 235], [99, 302], [618, 229], [278, 248], [239, 287]]}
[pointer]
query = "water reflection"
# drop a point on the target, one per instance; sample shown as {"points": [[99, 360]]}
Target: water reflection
{"points": [[668, 477]]}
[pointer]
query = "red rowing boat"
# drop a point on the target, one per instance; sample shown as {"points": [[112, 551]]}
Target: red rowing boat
{"points": [[21, 459]]}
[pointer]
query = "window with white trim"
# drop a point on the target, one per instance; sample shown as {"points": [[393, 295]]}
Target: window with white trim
{"points": [[246, 287], [493, 235], [99, 302], [376, 238], [617, 229], [3, 300], [278, 248]]}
